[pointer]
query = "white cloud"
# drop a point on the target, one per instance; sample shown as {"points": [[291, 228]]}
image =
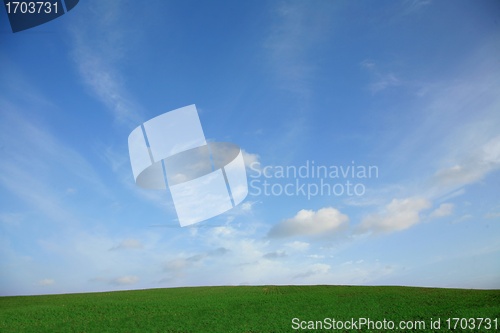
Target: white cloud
{"points": [[125, 280], [46, 282], [251, 160], [397, 215], [246, 206], [308, 222], [444, 209], [223, 231], [298, 246]]}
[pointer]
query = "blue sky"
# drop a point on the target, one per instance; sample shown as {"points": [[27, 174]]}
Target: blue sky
{"points": [[410, 87]]}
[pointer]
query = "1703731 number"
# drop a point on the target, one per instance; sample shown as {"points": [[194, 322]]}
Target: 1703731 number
{"points": [[28, 14], [472, 323], [31, 7]]}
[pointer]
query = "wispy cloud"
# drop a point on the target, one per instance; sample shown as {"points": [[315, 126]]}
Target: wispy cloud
{"points": [[454, 126], [298, 29], [472, 167], [96, 49], [415, 5], [398, 215], [384, 81], [381, 80], [444, 209], [463, 218], [454, 131], [28, 144]]}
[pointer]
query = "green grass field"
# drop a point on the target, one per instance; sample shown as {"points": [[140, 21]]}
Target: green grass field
{"points": [[246, 309]]}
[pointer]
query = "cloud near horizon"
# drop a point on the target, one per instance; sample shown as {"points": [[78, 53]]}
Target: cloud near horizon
{"points": [[125, 280], [46, 282]]}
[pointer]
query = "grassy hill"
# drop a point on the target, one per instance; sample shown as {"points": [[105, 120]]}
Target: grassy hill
{"points": [[253, 309]]}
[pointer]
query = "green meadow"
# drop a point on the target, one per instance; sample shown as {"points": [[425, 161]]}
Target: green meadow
{"points": [[254, 309]]}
